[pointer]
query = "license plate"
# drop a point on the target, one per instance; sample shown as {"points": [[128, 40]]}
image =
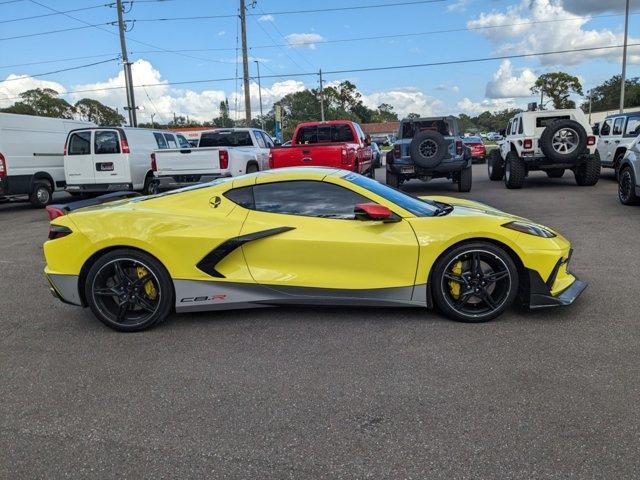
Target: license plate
{"points": [[104, 167], [407, 169]]}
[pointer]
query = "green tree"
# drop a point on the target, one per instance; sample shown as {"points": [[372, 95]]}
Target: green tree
{"points": [[385, 113], [224, 119], [558, 86], [606, 96], [43, 102], [94, 111], [413, 116]]}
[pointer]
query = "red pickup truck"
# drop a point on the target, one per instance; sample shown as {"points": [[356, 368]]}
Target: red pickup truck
{"points": [[337, 143]]}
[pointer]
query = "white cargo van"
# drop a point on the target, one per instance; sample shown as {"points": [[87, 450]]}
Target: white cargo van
{"points": [[31, 156], [107, 159]]}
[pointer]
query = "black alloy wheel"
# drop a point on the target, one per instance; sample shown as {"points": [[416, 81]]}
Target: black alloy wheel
{"points": [[129, 290], [627, 187], [475, 282]]}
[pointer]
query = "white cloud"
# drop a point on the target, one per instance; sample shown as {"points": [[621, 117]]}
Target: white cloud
{"points": [[404, 100], [222, 33], [459, 6], [506, 84], [267, 18], [304, 40], [549, 34], [14, 85], [470, 107]]}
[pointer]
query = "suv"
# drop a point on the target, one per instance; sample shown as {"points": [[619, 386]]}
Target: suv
{"points": [[628, 179], [617, 133], [552, 141], [429, 148]]}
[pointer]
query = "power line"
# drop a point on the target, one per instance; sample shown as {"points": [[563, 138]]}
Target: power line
{"points": [[56, 13], [293, 12], [364, 69], [59, 60], [36, 34], [59, 71], [11, 1]]}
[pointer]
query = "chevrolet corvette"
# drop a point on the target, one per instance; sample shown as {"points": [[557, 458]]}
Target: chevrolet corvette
{"points": [[314, 236]]}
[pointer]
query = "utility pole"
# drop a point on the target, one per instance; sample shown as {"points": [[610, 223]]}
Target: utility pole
{"points": [[623, 80], [131, 101], [245, 64], [321, 97], [260, 94]]}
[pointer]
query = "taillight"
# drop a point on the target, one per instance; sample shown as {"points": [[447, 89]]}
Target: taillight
{"points": [[223, 156], [54, 212], [154, 165], [271, 159], [459, 147], [58, 231], [64, 150], [528, 143], [397, 153], [591, 140], [343, 156], [3, 166], [124, 145]]}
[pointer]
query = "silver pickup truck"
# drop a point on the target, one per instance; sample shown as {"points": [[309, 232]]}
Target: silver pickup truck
{"points": [[220, 153]]}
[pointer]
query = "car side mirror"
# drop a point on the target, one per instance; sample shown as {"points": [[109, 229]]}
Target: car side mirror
{"points": [[373, 211], [596, 130], [367, 140], [277, 144]]}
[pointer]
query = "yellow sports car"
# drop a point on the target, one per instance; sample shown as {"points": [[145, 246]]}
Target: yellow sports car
{"points": [[299, 236]]}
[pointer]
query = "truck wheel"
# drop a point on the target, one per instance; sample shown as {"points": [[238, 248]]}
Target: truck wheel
{"points": [[555, 173], [41, 194], [495, 165], [428, 148], [588, 172], [393, 180], [150, 186], [627, 187], [251, 168], [616, 164], [464, 180], [515, 171], [563, 141]]}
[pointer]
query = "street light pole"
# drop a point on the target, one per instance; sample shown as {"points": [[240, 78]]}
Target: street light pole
{"points": [[623, 80], [128, 79], [321, 97], [260, 94], [245, 64]]}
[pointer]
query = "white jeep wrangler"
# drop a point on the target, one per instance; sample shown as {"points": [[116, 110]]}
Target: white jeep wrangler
{"points": [[548, 140]]}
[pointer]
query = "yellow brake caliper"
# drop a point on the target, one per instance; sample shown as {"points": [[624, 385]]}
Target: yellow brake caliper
{"points": [[455, 286], [149, 288]]}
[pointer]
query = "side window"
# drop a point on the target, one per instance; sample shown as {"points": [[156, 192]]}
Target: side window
{"points": [[79, 144], [341, 133], [521, 126], [508, 130], [171, 140], [259, 139], [307, 198], [606, 128], [106, 142], [242, 196], [182, 141], [633, 127], [162, 143], [267, 140], [514, 126], [618, 125]]}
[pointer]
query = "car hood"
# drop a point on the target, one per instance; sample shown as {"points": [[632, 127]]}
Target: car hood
{"points": [[464, 207]]}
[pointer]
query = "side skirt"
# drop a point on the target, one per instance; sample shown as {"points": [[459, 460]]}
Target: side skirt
{"points": [[194, 296]]}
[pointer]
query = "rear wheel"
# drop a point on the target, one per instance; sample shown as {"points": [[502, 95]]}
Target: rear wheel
{"points": [[465, 180], [627, 187], [616, 164], [392, 179], [129, 290], [474, 282], [555, 173], [588, 172], [150, 185], [495, 166], [515, 171], [252, 168], [41, 194]]}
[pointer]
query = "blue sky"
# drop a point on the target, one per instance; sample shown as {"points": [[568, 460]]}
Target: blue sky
{"points": [[470, 87]]}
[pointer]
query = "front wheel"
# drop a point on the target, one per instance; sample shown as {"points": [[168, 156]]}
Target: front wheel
{"points": [[627, 187], [392, 179], [129, 290], [41, 194], [474, 282], [495, 166], [465, 179], [515, 171]]}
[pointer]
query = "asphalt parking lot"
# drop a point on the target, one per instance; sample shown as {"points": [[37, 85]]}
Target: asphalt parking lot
{"points": [[334, 393]]}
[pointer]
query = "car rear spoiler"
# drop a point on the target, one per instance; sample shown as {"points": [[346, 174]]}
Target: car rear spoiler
{"points": [[59, 210]]}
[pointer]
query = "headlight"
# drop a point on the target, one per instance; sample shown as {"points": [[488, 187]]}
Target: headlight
{"points": [[530, 229]]}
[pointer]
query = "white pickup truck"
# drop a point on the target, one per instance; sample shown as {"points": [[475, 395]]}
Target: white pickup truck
{"points": [[221, 153]]}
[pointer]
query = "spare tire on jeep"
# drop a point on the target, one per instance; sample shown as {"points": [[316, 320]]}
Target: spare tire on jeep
{"points": [[428, 148], [563, 141]]}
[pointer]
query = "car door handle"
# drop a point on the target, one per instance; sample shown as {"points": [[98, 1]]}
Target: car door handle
{"points": [[306, 152], [306, 159], [617, 141]]}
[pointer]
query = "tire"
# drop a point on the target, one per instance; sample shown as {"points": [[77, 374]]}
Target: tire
{"points": [[389, 157], [627, 187], [563, 141], [145, 306], [252, 168], [465, 180], [428, 149], [515, 171], [588, 172], [372, 172], [483, 297], [41, 194], [495, 165], [392, 179], [616, 164], [555, 173], [150, 186]]}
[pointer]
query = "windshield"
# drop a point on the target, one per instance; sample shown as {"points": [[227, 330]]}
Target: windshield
{"points": [[472, 140], [226, 139], [420, 208]]}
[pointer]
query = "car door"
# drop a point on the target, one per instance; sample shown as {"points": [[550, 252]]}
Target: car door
{"points": [[616, 137], [269, 144], [319, 244], [262, 152], [110, 164], [78, 160], [604, 141]]}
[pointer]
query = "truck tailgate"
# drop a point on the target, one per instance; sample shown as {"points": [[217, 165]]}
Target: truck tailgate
{"points": [[187, 161], [307, 155]]}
